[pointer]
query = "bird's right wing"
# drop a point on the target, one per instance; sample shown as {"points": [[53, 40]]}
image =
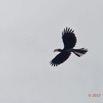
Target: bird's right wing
{"points": [[60, 58], [69, 38]]}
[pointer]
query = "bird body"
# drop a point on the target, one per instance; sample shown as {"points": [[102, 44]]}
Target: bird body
{"points": [[69, 40]]}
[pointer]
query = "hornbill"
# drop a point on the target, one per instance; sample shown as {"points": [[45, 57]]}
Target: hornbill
{"points": [[69, 40]]}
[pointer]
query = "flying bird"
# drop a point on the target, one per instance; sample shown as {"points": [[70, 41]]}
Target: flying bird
{"points": [[69, 40]]}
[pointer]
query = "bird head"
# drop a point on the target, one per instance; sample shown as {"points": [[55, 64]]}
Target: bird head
{"points": [[57, 50]]}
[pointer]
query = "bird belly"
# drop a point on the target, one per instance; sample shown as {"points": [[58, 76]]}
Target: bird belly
{"points": [[68, 50]]}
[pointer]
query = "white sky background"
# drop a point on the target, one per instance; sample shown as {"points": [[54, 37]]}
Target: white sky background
{"points": [[29, 32]]}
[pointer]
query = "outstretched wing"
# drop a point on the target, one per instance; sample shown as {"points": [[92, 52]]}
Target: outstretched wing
{"points": [[69, 38], [60, 58]]}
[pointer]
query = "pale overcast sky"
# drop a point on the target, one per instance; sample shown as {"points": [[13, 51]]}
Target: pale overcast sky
{"points": [[29, 32]]}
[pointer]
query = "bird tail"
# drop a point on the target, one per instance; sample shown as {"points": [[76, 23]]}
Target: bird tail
{"points": [[79, 52]]}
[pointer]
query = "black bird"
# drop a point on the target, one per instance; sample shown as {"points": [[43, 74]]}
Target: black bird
{"points": [[69, 41]]}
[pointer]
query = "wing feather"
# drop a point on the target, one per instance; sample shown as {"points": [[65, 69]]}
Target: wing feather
{"points": [[69, 38], [60, 58]]}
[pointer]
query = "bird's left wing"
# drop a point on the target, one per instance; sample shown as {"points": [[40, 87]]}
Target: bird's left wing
{"points": [[60, 58], [69, 38]]}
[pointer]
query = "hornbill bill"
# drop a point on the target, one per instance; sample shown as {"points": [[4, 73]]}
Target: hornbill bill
{"points": [[69, 40]]}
